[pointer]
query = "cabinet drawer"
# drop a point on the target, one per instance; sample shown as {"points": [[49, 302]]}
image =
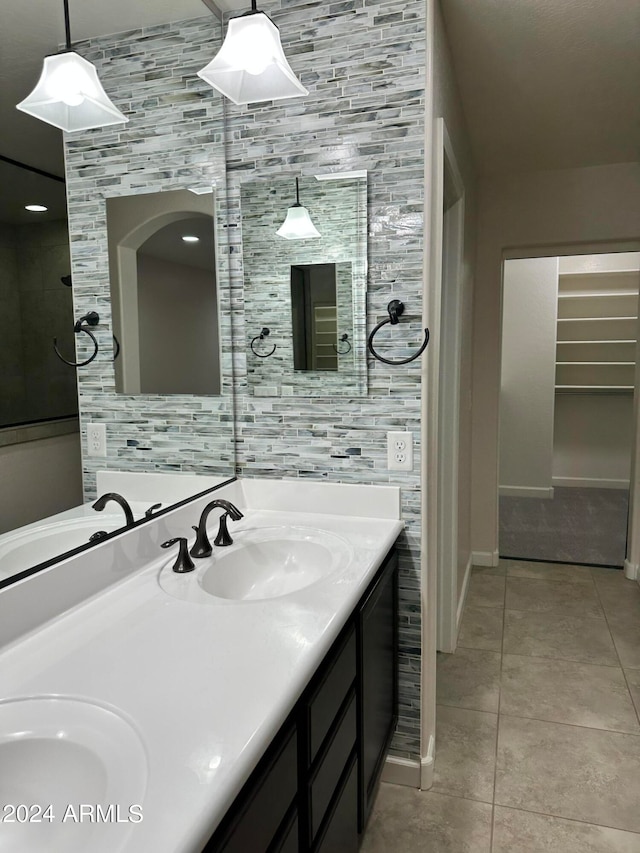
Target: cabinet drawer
{"points": [[266, 804], [330, 693], [288, 842], [341, 834], [327, 776]]}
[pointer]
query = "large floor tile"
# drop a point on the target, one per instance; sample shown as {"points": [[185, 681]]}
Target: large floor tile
{"points": [[548, 571], [620, 599], [555, 635], [481, 628], [625, 630], [465, 753], [527, 832], [405, 820], [633, 680], [470, 678], [602, 575], [486, 591], [490, 570], [568, 771], [537, 595], [567, 692]]}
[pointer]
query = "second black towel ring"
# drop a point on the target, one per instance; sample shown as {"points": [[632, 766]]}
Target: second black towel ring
{"points": [[263, 334], [344, 339], [395, 309], [91, 319]]}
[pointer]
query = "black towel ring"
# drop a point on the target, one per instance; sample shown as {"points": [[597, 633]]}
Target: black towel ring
{"points": [[91, 319], [395, 309], [263, 334], [345, 340], [116, 347]]}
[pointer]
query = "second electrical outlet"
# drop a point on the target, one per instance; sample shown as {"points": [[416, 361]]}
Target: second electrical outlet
{"points": [[400, 451]]}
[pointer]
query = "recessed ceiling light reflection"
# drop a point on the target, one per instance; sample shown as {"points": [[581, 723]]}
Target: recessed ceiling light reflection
{"points": [[36, 208], [189, 238]]}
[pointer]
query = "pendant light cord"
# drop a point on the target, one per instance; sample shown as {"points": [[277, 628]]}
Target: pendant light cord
{"points": [[67, 25]]}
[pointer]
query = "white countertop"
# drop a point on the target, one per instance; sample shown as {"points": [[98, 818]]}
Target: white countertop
{"points": [[207, 684]]}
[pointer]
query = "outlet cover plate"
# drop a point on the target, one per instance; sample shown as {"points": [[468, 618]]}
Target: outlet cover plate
{"points": [[400, 451], [96, 439]]}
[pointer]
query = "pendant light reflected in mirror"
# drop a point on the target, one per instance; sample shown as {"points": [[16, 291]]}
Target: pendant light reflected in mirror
{"points": [[297, 224], [69, 94], [251, 66]]}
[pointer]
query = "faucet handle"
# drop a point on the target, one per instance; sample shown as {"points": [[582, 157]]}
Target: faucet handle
{"points": [[183, 563], [201, 547], [223, 537], [149, 512]]}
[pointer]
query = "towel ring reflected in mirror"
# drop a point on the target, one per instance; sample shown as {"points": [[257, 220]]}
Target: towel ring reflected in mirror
{"points": [[263, 334]]}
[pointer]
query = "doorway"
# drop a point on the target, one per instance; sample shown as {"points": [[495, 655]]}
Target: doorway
{"points": [[569, 338]]}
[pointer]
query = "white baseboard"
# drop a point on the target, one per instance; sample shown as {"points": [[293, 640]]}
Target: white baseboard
{"points": [[427, 766], [401, 771], [590, 483], [631, 571], [526, 492], [463, 594], [484, 558]]}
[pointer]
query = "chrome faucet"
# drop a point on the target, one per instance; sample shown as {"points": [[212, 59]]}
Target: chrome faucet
{"points": [[202, 547], [102, 501]]}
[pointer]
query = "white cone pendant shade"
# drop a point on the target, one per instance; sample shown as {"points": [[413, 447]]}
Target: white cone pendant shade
{"points": [[69, 95], [251, 65], [297, 224]]}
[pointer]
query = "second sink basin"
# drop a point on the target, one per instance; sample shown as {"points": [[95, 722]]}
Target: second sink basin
{"points": [[56, 755], [35, 545], [262, 563]]}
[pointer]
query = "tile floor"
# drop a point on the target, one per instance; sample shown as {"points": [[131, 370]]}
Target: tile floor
{"points": [[538, 737]]}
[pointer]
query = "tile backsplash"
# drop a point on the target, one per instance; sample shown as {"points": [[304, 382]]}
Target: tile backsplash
{"points": [[363, 63]]}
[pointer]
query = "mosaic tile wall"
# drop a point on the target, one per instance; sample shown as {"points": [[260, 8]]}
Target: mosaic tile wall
{"points": [[363, 63]]}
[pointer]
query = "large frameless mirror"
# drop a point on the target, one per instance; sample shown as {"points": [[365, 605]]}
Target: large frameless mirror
{"points": [[305, 292]]}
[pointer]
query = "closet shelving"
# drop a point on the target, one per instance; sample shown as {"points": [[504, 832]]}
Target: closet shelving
{"points": [[596, 332]]}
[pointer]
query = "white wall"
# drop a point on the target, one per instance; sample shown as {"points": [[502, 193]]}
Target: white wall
{"points": [[527, 390], [40, 478], [535, 209], [592, 444], [447, 104], [178, 328]]}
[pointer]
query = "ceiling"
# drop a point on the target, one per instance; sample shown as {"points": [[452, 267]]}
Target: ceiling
{"points": [[545, 84]]}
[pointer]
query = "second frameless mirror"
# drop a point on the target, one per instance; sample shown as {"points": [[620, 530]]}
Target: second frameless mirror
{"points": [[164, 293], [305, 292]]}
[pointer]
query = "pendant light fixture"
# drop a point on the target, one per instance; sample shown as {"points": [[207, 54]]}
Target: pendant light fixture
{"points": [[251, 65], [297, 224], [69, 94]]}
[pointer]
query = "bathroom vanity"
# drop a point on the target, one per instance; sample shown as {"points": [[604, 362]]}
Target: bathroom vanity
{"points": [[250, 723], [314, 787]]}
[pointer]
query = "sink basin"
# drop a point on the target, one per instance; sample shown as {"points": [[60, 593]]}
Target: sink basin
{"points": [[63, 752], [262, 563], [33, 546]]}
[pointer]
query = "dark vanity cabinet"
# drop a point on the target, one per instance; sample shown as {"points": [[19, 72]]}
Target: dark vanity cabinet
{"points": [[313, 789]]}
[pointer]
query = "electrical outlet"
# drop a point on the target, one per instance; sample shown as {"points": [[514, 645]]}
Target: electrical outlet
{"points": [[96, 439], [400, 451]]}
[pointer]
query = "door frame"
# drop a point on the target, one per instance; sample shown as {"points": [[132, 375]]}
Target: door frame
{"points": [[450, 249], [632, 557]]}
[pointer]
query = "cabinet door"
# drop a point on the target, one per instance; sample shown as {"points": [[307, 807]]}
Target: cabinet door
{"points": [[260, 808], [377, 646]]}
